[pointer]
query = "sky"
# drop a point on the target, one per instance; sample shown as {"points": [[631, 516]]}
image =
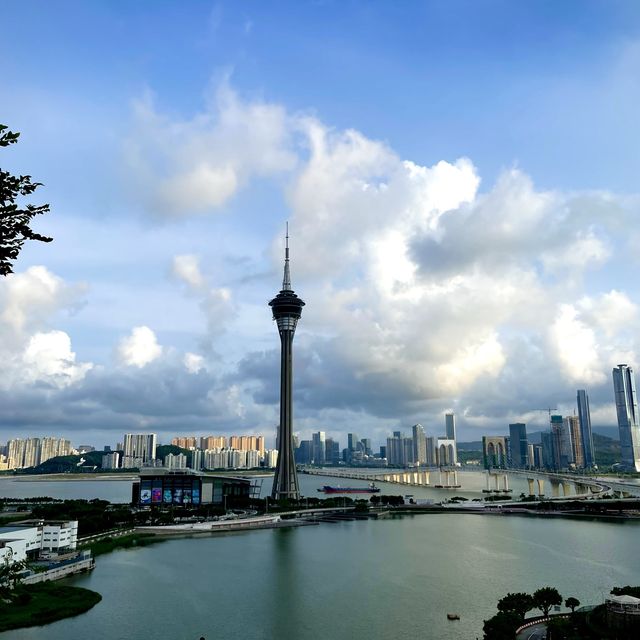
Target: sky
{"points": [[460, 181]]}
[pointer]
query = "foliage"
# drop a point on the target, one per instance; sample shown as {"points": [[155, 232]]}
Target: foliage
{"points": [[107, 545], [572, 603], [163, 450], [545, 598], [43, 603], [502, 626], [94, 516], [15, 220], [10, 574], [560, 629], [518, 603], [626, 591]]}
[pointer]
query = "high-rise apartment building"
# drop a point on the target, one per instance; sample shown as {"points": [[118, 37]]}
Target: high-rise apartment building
{"points": [[518, 445], [184, 442], [586, 437], [31, 452], [419, 445], [213, 442], [139, 449], [624, 387]]}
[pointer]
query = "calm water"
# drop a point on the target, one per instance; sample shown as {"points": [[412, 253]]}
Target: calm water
{"points": [[385, 579], [120, 490]]}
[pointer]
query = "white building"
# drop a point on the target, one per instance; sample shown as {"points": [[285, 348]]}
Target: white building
{"points": [[446, 452], [271, 458], [111, 460], [30, 537], [172, 461], [140, 446]]}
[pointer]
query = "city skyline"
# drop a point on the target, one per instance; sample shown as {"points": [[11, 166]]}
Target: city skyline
{"points": [[462, 243]]}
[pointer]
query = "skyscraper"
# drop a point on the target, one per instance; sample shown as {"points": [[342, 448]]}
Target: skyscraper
{"points": [[518, 445], [419, 445], [624, 387], [139, 449], [584, 416], [287, 309], [318, 449], [450, 425], [450, 431], [573, 425]]}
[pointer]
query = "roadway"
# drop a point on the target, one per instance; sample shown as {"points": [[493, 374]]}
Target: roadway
{"points": [[536, 632]]}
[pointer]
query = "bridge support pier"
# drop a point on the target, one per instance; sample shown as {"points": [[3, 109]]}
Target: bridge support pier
{"points": [[555, 488], [566, 488], [540, 487], [530, 482]]}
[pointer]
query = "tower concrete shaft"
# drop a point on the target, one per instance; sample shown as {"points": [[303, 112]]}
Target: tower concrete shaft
{"points": [[287, 309]]}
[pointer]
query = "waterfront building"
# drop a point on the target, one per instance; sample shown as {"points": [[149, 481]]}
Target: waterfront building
{"points": [[287, 310], [166, 487], [586, 437], [419, 445], [518, 445], [28, 538], [572, 424], [494, 451], [139, 449], [624, 386], [447, 453], [111, 460]]}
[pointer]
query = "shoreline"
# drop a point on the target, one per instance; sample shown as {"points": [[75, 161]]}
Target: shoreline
{"points": [[72, 477]]}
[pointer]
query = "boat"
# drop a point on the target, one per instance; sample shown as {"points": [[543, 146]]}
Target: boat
{"points": [[453, 616], [370, 489]]}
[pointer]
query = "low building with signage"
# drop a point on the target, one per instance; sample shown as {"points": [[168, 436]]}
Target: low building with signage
{"points": [[185, 487]]}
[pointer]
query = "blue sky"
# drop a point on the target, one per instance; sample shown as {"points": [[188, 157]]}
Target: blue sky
{"points": [[174, 140]]}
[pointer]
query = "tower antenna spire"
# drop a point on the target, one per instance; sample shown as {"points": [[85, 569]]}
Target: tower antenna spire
{"points": [[286, 280]]}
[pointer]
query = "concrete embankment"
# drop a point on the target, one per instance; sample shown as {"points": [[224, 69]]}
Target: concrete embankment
{"points": [[238, 524]]}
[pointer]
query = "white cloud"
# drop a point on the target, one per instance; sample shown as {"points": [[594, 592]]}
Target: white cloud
{"points": [[48, 358], [140, 348], [197, 165], [193, 362], [187, 269], [28, 298]]}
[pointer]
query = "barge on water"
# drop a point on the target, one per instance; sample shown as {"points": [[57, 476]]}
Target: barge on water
{"points": [[370, 489]]}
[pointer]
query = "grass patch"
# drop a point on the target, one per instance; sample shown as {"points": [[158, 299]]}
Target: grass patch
{"points": [[123, 542], [39, 604]]}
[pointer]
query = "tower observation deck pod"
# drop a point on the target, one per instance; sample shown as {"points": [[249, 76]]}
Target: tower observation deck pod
{"points": [[287, 310]]}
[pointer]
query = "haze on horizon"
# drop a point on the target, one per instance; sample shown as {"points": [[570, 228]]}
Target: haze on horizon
{"points": [[460, 181]]}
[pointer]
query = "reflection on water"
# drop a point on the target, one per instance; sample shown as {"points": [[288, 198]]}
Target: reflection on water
{"points": [[358, 580]]}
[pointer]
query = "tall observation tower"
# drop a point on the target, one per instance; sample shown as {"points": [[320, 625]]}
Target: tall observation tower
{"points": [[287, 309]]}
